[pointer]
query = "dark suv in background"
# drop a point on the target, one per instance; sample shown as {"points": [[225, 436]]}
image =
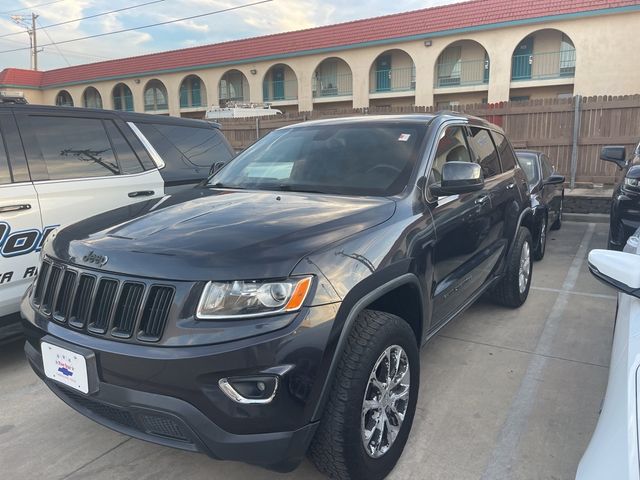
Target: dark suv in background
{"points": [[625, 204], [278, 309]]}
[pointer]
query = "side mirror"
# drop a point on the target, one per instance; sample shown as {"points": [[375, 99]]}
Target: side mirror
{"points": [[216, 167], [614, 154], [620, 270], [555, 179], [457, 178]]}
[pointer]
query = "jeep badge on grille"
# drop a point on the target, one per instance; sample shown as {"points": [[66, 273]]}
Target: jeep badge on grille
{"points": [[92, 257]]}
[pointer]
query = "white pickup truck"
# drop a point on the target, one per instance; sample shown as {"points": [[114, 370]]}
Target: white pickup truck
{"points": [[59, 165]]}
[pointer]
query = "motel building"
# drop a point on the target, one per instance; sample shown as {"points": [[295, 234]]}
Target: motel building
{"points": [[473, 52]]}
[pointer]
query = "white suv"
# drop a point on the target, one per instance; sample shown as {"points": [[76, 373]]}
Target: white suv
{"points": [[60, 165]]}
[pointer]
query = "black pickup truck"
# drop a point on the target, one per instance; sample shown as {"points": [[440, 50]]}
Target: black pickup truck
{"points": [[278, 310]]}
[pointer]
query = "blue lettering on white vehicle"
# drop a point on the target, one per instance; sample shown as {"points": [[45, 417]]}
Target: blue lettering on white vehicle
{"points": [[22, 242]]}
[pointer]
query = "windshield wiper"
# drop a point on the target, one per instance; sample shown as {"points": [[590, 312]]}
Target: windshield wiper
{"points": [[289, 188], [222, 185]]}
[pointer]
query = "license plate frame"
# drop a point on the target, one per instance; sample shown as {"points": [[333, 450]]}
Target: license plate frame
{"points": [[68, 365]]}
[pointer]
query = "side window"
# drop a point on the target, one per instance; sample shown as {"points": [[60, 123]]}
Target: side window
{"points": [[178, 144], [452, 147], [507, 157], [483, 151], [74, 147], [547, 169], [5, 173], [127, 159]]}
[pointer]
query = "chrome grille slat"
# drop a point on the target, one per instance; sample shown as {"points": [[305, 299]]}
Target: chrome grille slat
{"points": [[101, 304]]}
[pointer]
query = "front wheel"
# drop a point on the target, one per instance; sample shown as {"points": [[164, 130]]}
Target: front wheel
{"points": [[513, 288], [368, 416]]}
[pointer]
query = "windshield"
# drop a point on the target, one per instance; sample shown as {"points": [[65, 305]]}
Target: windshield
{"points": [[371, 159], [529, 164]]}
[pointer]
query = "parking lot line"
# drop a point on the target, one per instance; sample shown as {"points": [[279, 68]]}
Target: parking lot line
{"points": [[569, 292], [499, 465]]}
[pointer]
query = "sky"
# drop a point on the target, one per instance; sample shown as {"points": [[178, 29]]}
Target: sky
{"points": [[272, 17]]}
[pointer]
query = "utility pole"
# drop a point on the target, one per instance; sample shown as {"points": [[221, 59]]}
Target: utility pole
{"points": [[31, 30], [34, 41]]}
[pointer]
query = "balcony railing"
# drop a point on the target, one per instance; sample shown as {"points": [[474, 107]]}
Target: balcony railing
{"points": [[543, 66], [333, 85], [393, 80], [277, 90], [462, 73]]}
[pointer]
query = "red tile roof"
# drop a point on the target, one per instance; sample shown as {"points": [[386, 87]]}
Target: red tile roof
{"points": [[475, 13]]}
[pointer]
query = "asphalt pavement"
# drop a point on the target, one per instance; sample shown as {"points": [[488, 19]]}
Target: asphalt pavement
{"points": [[505, 394]]}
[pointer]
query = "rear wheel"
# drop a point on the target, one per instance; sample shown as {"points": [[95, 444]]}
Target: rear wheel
{"points": [[513, 288], [541, 243], [368, 416]]}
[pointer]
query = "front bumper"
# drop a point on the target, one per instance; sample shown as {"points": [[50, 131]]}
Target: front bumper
{"points": [[171, 395]]}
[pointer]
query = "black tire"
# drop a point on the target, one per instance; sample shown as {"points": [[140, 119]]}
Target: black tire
{"points": [[508, 292], [337, 449], [541, 243], [558, 222]]}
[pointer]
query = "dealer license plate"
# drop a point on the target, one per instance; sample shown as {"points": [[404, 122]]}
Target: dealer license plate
{"points": [[65, 366]]}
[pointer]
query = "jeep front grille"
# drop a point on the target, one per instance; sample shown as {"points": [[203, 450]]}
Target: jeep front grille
{"points": [[103, 304]]}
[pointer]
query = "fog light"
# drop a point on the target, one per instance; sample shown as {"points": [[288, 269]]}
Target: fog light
{"points": [[250, 390]]}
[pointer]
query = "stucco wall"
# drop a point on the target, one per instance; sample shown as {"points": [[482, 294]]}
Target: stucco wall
{"points": [[606, 47]]}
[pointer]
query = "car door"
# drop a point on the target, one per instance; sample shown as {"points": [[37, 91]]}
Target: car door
{"points": [[83, 165], [21, 232], [462, 229], [551, 194]]}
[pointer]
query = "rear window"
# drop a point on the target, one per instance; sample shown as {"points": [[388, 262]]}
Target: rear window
{"points": [[5, 174], [507, 157], [529, 166], [74, 147], [181, 146]]}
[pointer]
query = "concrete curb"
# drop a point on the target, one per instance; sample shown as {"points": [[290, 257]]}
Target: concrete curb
{"points": [[586, 217]]}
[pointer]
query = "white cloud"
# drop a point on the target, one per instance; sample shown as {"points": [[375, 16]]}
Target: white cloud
{"points": [[273, 17]]}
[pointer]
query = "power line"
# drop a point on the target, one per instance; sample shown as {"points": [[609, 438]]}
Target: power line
{"points": [[43, 27], [56, 45], [65, 50], [238, 7], [29, 8]]}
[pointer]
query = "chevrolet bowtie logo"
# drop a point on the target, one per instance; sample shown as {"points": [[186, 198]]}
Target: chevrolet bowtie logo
{"points": [[92, 257]]}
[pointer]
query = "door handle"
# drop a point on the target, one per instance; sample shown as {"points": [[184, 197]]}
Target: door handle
{"points": [[482, 200], [141, 193], [15, 208], [510, 186]]}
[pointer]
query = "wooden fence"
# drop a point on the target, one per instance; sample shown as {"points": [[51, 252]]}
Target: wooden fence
{"points": [[547, 125]]}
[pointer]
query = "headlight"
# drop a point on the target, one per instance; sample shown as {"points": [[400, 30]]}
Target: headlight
{"points": [[632, 182], [252, 299]]}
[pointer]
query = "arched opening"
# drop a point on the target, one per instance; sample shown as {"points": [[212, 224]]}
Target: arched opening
{"points": [[193, 93], [63, 99], [461, 64], [542, 55], [392, 71], [280, 84], [233, 88], [332, 78], [91, 98], [122, 98], [155, 96]]}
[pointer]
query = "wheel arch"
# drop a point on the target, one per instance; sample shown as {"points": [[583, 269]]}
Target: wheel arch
{"points": [[404, 287]]}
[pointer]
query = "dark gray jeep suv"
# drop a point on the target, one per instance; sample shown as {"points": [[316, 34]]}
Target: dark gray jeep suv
{"points": [[277, 310]]}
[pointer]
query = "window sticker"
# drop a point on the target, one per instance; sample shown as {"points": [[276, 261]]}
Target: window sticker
{"points": [[404, 137]]}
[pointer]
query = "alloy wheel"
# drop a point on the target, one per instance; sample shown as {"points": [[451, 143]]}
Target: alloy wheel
{"points": [[525, 267], [385, 403]]}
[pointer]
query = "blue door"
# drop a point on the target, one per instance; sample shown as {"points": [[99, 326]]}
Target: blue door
{"points": [[522, 60], [383, 73], [278, 83]]}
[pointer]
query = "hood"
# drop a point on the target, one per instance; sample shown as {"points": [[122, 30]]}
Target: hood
{"points": [[211, 234]]}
